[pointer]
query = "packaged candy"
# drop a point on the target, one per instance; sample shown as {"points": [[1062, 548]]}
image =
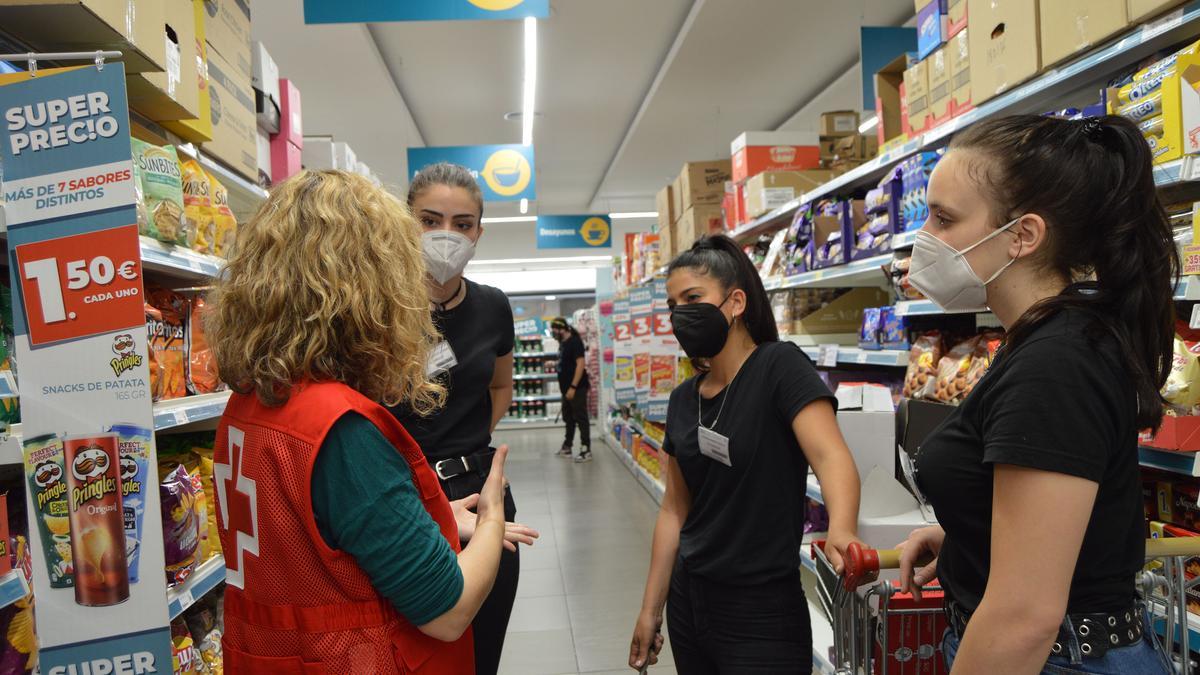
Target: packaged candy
{"points": [[134, 447], [202, 373], [1147, 107], [1182, 389], [960, 369], [167, 339], [920, 379], [181, 525], [226, 223], [45, 470], [198, 207], [868, 335], [1138, 89], [893, 331], [162, 186]]}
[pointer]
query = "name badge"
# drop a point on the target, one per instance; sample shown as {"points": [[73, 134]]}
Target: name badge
{"points": [[714, 446], [441, 359]]}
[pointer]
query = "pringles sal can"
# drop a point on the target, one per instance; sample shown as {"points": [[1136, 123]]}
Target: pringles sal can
{"points": [[97, 519]]}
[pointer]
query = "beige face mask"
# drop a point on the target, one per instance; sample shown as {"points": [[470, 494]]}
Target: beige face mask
{"points": [[944, 276], [446, 253]]}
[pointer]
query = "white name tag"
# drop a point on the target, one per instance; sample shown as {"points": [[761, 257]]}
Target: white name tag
{"points": [[441, 359], [714, 446]]}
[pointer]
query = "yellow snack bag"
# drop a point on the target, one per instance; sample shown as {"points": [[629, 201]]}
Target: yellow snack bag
{"points": [[197, 205], [1183, 383], [226, 222]]}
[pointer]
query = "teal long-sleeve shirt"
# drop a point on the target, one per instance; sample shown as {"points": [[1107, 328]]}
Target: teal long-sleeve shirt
{"points": [[367, 505]]}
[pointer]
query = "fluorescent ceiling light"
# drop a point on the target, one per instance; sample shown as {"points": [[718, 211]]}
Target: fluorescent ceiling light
{"points": [[524, 206], [868, 124], [509, 219], [551, 298], [526, 261], [530, 88], [634, 214]]}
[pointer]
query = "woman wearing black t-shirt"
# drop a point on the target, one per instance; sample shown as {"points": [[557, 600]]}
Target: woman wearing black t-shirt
{"points": [[1056, 226], [475, 362], [740, 438]]}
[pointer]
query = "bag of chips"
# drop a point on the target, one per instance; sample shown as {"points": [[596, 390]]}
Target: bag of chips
{"points": [[185, 657], [139, 202], [923, 359], [226, 223], [202, 373], [198, 207], [162, 186], [168, 343], [181, 525], [1182, 389]]}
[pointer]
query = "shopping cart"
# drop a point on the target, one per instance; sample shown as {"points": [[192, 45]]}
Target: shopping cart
{"points": [[878, 630]]}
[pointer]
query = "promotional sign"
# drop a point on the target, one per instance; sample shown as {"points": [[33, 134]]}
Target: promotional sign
{"points": [[76, 272], [641, 306], [664, 357], [624, 382], [535, 327], [376, 11], [574, 232], [505, 172]]}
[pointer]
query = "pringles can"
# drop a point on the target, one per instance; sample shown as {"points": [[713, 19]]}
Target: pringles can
{"points": [[97, 519]]}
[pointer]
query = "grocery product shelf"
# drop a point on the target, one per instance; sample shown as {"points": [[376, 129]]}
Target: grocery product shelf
{"points": [[13, 587], [206, 577], [650, 483], [905, 239], [767, 221], [545, 397], [244, 196], [1186, 463], [533, 355], [179, 411], [639, 430], [535, 376], [921, 308], [897, 358], [178, 261], [866, 272]]}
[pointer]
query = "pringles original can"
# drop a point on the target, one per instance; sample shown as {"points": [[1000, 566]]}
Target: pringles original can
{"points": [[97, 519]]}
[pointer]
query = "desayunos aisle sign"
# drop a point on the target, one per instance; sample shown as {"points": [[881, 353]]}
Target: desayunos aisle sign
{"points": [[574, 232], [373, 11], [75, 266], [505, 172]]}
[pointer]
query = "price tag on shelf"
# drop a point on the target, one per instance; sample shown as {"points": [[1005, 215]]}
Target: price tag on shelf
{"points": [[1160, 26], [185, 599], [861, 358], [827, 356], [81, 285], [1195, 322], [1191, 259]]}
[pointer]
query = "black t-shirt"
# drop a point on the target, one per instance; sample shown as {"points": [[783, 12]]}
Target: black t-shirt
{"points": [[479, 330], [1062, 401], [746, 522], [567, 353]]}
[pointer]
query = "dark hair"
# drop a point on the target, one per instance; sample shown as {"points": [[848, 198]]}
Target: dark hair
{"points": [[445, 173], [720, 257], [561, 324], [1093, 183]]}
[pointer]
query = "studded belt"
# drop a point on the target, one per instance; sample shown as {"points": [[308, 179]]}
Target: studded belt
{"points": [[1095, 634]]}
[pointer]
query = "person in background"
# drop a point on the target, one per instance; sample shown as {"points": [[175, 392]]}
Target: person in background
{"points": [[473, 360], [342, 554], [1056, 225], [739, 441], [574, 384]]}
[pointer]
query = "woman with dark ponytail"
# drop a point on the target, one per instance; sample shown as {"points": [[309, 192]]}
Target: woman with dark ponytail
{"points": [[1056, 226], [740, 438]]}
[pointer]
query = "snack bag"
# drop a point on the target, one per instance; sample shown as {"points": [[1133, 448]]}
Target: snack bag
{"points": [[202, 377], [134, 446], [952, 372], [181, 527], [139, 197], [204, 549], [985, 351], [162, 186], [153, 323], [185, 657], [46, 472], [198, 207], [168, 343], [1182, 389], [921, 376], [210, 652], [226, 223]]}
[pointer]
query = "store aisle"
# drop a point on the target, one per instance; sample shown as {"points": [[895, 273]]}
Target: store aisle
{"points": [[581, 585]]}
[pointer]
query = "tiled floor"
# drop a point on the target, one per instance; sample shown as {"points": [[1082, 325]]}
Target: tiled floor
{"points": [[581, 584]]}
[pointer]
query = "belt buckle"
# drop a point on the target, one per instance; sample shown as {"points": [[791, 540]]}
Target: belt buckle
{"points": [[437, 468]]}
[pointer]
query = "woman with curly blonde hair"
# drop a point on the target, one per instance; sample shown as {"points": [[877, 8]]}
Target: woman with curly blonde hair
{"points": [[342, 554]]}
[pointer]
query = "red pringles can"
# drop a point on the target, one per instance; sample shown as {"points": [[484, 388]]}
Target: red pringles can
{"points": [[97, 519]]}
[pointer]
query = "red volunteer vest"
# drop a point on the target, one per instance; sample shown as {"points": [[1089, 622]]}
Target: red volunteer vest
{"points": [[293, 605]]}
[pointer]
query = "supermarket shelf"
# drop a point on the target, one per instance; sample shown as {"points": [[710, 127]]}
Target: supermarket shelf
{"points": [[868, 173], [178, 261], [638, 429], [766, 222], [904, 239], [1186, 463], [650, 483], [864, 272], [921, 308], [897, 358], [179, 411], [814, 489], [533, 355], [529, 399], [535, 376], [206, 577]]}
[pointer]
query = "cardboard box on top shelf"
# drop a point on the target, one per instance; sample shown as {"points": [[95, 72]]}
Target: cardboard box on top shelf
{"points": [[730, 210], [839, 123], [772, 189], [677, 198], [665, 206], [264, 158], [666, 239], [756, 151], [956, 13], [291, 120], [888, 100], [133, 27], [1005, 45], [317, 153], [228, 32], [286, 160], [857, 148], [841, 318], [1069, 27], [344, 157], [739, 205], [933, 25], [828, 149], [234, 127], [697, 221], [268, 102], [941, 92], [173, 94], [703, 183], [916, 88], [1146, 9], [958, 50], [198, 130]]}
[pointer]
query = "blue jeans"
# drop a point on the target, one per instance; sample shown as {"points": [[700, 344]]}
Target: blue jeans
{"points": [[1145, 658]]}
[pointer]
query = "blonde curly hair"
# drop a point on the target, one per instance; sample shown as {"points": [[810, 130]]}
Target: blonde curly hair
{"points": [[327, 283]]}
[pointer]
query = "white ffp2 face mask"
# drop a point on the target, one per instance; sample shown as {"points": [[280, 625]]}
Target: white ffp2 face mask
{"points": [[446, 253], [944, 276]]}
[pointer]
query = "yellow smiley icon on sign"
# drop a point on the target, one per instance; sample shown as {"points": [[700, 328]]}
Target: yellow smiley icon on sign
{"points": [[507, 173], [595, 231], [495, 5]]}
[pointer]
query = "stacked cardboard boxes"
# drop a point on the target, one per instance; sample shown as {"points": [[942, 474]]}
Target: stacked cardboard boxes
{"points": [[696, 198], [230, 70]]}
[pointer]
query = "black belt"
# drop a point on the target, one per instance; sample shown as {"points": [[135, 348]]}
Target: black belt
{"points": [[1094, 633], [478, 464]]}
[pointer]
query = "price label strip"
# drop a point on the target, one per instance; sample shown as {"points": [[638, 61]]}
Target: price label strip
{"points": [[827, 356]]}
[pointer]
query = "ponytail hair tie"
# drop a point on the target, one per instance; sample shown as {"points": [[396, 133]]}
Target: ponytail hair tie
{"points": [[1092, 128]]}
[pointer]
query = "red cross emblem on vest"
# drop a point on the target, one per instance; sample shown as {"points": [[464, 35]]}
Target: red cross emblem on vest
{"points": [[238, 497]]}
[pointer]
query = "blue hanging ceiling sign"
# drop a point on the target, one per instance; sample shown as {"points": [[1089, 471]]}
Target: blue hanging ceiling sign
{"points": [[379, 11], [505, 172], [574, 232]]}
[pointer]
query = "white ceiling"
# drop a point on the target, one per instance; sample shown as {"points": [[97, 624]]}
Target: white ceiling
{"points": [[628, 90]]}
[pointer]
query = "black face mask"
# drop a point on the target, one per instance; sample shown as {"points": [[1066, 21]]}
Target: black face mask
{"points": [[701, 328]]}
